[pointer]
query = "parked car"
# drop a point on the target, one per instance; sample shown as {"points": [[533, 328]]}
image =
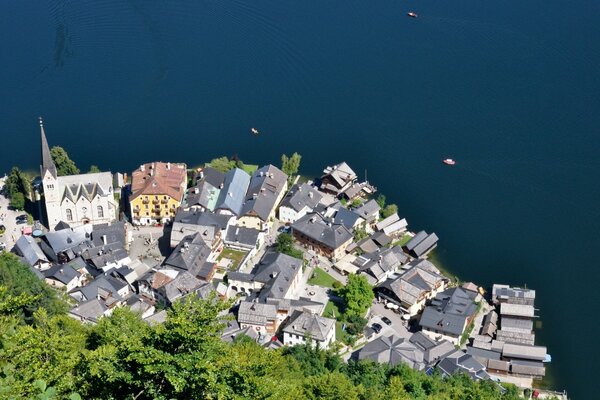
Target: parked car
{"points": [[22, 216], [2, 247], [284, 229], [386, 320], [21, 221], [377, 327]]}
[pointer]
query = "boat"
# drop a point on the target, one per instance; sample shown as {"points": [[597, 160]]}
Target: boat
{"points": [[254, 131], [412, 14], [449, 161]]}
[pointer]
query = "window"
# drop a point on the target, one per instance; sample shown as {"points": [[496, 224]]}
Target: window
{"points": [[69, 215], [100, 212], [50, 186]]}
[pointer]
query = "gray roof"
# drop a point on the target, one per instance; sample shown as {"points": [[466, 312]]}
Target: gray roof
{"points": [[301, 196], [183, 284], [346, 217], [483, 355], [104, 283], [517, 325], [157, 318], [212, 176], [47, 162], [68, 238], [190, 254], [62, 273], [517, 310], [28, 248], [234, 189], [387, 221], [368, 211], [382, 262], [393, 350], [460, 362], [433, 351], [246, 237], [278, 272], [101, 256], [309, 325], [449, 311], [105, 233], [90, 310], [421, 243], [204, 195], [208, 224], [319, 229], [256, 313], [504, 293], [341, 174], [266, 185], [381, 239]]}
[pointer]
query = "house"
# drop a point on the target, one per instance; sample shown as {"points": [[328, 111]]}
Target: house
{"points": [[300, 200], [139, 304], [392, 225], [233, 331], [30, 251], [506, 294], [157, 191], [108, 286], [63, 276], [243, 239], [76, 199], [358, 190], [133, 271], [369, 211], [193, 255], [337, 179], [305, 327], [203, 196], [381, 264], [260, 317], [115, 232], [66, 244], [211, 227], [231, 197], [348, 218], [460, 362], [420, 281], [106, 257], [90, 311], [449, 314], [316, 233], [418, 351], [276, 276], [421, 244], [168, 285], [266, 189]]}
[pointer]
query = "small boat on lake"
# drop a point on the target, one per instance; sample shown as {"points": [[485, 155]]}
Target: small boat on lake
{"points": [[412, 14], [449, 161], [254, 131]]}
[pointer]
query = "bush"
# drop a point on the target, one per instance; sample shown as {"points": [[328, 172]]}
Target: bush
{"points": [[337, 285]]}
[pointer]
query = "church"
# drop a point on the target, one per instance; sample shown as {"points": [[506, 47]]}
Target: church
{"points": [[75, 199]]}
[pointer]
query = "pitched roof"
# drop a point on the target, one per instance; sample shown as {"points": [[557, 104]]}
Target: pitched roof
{"points": [[278, 272], [204, 195], [231, 197], [309, 325], [212, 176], [90, 310], [190, 254], [159, 178], [240, 235], [301, 196], [47, 162], [347, 218], [369, 210], [387, 221], [449, 311], [321, 230], [183, 284], [460, 362], [264, 189], [393, 350], [421, 243], [341, 173], [62, 273], [30, 250], [256, 313]]}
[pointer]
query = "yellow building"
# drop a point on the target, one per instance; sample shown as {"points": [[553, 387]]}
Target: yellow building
{"points": [[157, 190]]}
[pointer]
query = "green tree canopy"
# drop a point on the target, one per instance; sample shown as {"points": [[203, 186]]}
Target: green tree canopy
{"points": [[94, 169], [290, 165], [381, 201], [64, 165], [17, 201], [17, 182], [285, 245], [389, 210], [357, 294], [223, 164]]}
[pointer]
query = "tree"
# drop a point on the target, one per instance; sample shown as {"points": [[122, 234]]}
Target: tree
{"points": [[290, 165], [64, 165], [222, 164], [389, 210], [94, 169], [358, 296], [285, 245], [17, 182], [331, 386], [381, 201], [360, 234], [17, 201]]}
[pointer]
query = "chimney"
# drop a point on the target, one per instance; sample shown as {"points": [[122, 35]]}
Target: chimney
{"points": [[104, 240], [168, 165], [142, 167], [310, 195]]}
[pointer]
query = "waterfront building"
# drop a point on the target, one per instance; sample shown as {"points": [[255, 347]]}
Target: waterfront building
{"points": [[306, 327], [300, 200], [75, 199], [157, 190], [337, 179], [318, 234]]}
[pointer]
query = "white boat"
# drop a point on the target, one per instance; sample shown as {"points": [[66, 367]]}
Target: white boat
{"points": [[449, 161]]}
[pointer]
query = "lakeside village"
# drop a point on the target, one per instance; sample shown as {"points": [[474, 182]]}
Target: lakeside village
{"points": [[284, 250]]}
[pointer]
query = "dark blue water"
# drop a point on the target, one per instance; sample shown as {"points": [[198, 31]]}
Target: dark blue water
{"points": [[508, 88]]}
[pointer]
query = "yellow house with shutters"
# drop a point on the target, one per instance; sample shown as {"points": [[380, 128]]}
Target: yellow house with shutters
{"points": [[157, 190]]}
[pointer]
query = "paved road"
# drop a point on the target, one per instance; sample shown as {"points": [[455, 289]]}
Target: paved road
{"points": [[13, 231]]}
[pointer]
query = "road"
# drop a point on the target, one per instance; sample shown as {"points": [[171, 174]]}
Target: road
{"points": [[8, 217]]}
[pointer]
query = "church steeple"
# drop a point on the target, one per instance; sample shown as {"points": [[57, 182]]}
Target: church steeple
{"points": [[47, 162]]}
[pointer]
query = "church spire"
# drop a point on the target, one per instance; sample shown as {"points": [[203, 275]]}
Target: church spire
{"points": [[47, 162]]}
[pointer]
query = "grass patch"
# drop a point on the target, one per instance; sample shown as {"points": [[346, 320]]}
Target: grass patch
{"points": [[321, 278], [332, 310], [402, 241], [250, 168], [235, 255]]}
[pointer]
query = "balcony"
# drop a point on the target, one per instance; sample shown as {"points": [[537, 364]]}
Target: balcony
{"points": [[145, 201], [155, 201], [164, 201]]}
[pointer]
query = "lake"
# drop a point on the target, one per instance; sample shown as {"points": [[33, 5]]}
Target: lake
{"points": [[509, 89]]}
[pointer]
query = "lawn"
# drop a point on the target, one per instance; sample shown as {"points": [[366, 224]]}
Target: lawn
{"points": [[250, 168], [332, 310], [321, 278], [403, 240], [235, 255]]}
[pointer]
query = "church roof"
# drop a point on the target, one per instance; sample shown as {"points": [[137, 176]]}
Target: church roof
{"points": [[47, 162]]}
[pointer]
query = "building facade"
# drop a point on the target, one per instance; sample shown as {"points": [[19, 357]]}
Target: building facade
{"points": [[157, 190]]}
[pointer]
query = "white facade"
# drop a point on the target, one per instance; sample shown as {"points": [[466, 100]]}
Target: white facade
{"points": [[288, 215], [290, 339], [79, 199]]}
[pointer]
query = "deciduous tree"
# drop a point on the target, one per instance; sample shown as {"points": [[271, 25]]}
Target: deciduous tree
{"points": [[64, 165]]}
